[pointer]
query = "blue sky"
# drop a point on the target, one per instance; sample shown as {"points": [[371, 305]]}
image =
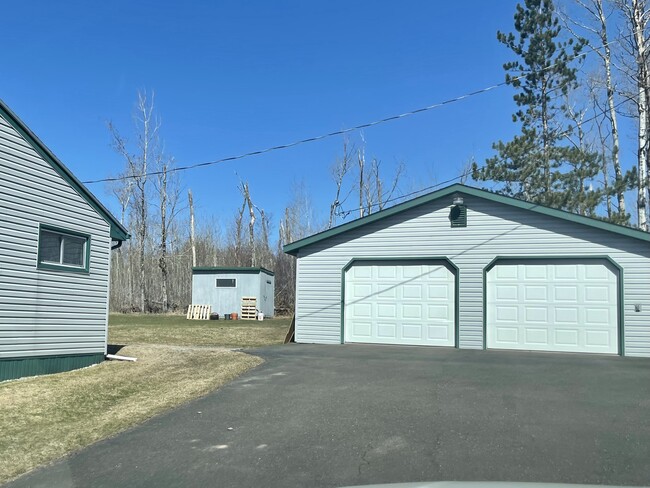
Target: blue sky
{"points": [[232, 77]]}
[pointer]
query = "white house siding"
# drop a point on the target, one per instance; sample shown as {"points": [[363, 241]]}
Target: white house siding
{"points": [[45, 313], [493, 229]]}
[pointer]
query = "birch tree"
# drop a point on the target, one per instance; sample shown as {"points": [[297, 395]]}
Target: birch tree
{"points": [[593, 23], [636, 14]]}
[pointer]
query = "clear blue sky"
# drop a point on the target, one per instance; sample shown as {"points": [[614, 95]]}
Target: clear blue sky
{"points": [[232, 77]]}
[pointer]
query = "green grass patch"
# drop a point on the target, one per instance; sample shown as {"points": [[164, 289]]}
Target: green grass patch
{"points": [[176, 330]]}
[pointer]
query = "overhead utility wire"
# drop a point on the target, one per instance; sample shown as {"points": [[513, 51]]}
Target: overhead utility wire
{"points": [[342, 131], [345, 213]]}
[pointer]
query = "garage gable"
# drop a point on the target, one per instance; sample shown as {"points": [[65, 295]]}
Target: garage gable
{"points": [[294, 247]]}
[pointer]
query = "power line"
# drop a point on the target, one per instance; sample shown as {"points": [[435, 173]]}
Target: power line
{"points": [[345, 213], [343, 131]]}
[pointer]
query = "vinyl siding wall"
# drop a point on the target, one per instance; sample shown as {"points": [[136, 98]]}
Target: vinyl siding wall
{"points": [[493, 229], [42, 312]]}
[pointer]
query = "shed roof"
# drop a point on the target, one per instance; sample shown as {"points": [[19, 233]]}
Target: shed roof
{"points": [[118, 231], [223, 269], [294, 247]]}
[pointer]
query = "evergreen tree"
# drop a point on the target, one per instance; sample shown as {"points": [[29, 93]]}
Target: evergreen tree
{"points": [[539, 165]]}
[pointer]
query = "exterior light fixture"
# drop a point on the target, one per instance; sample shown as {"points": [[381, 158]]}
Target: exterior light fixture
{"points": [[458, 200]]}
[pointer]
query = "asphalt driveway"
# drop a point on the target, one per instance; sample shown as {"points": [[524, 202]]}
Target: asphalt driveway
{"points": [[325, 416]]}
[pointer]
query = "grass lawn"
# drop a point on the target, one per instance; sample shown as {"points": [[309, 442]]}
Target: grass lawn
{"points": [[43, 418], [178, 331]]}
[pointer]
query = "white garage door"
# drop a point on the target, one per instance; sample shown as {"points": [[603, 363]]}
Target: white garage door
{"points": [[392, 303], [553, 307]]}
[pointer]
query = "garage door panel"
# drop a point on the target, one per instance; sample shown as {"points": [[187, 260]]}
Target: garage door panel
{"points": [[412, 291], [439, 312], [565, 293], [507, 335], [598, 338], [386, 331], [597, 294], [570, 307], [566, 337], [566, 316], [362, 329], [438, 292], [404, 304], [439, 332], [387, 311], [507, 314], [535, 293]]}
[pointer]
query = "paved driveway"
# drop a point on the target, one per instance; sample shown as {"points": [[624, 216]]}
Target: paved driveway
{"points": [[324, 416]]}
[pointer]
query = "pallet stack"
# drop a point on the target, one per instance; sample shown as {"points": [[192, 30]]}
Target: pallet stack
{"points": [[199, 312], [249, 308]]}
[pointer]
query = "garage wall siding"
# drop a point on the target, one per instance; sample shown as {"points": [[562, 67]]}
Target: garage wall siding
{"points": [[44, 312], [493, 229]]}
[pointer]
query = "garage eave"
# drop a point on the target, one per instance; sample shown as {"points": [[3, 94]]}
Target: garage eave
{"points": [[294, 247]]}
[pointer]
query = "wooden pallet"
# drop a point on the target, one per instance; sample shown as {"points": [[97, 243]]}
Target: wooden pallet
{"points": [[249, 308], [199, 312]]}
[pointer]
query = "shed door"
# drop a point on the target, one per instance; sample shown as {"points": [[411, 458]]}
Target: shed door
{"points": [[553, 306], [393, 303]]}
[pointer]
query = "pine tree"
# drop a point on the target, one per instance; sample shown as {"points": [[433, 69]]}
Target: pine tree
{"points": [[539, 165]]}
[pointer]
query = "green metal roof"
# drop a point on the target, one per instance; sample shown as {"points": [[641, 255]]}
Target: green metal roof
{"points": [[294, 247], [118, 232], [222, 269]]}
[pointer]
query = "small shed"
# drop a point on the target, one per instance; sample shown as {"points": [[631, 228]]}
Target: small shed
{"points": [[224, 288]]}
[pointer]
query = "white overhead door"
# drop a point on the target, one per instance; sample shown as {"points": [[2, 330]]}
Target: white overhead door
{"points": [[553, 306], [393, 303]]}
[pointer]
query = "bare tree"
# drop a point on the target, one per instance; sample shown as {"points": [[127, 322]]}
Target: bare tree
{"points": [[361, 161], [381, 197], [339, 170], [245, 191], [138, 163], [596, 26], [168, 191]]}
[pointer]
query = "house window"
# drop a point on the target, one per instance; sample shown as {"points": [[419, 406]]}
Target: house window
{"points": [[226, 283], [63, 250]]}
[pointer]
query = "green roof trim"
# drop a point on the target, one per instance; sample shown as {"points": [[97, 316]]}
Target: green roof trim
{"points": [[224, 269], [294, 247], [118, 231]]}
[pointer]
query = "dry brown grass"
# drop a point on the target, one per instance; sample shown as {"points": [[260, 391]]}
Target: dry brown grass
{"points": [[46, 417]]}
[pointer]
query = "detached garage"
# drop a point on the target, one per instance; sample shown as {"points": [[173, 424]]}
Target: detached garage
{"points": [[463, 267]]}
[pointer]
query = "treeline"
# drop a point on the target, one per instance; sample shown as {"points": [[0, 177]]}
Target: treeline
{"points": [[152, 271], [581, 79]]}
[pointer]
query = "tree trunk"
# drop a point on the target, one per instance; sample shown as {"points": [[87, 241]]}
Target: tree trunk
{"points": [[192, 240], [163, 239], [613, 119], [361, 183], [638, 22]]}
